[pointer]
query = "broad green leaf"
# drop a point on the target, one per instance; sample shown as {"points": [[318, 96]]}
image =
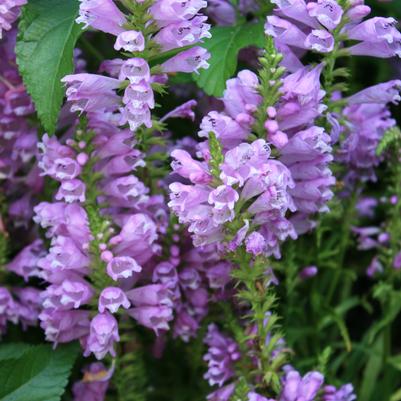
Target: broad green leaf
{"points": [[45, 44], [37, 374], [224, 46], [13, 350]]}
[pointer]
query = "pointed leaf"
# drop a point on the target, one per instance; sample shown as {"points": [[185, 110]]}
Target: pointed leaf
{"points": [[224, 45], [45, 44]]}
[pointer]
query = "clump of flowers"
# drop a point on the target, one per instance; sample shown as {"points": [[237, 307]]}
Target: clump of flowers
{"points": [[228, 243]]}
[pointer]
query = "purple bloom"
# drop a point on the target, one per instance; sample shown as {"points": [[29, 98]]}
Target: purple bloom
{"points": [[308, 272], [112, 298], [103, 333], [64, 326], [25, 263], [387, 92], [153, 317], [344, 393], [375, 267], [221, 12], [136, 70], [327, 12], [189, 61], [70, 293], [182, 111], [366, 206], [252, 396], [255, 243], [221, 355], [296, 10], [376, 29], [183, 33], [9, 12], [150, 295], [131, 41], [101, 14], [397, 261], [184, 165], [122, 267], [297, 388], [166, 12], [367, 124], [71, 190], [223, 393], [285, 32], [241, 96], [94, 384], [320, 41], [91, 92]]}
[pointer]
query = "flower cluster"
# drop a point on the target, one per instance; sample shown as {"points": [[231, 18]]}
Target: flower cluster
{"points": [[172, 25], [316, 25], [19, 174], [81, 262], [249, 180]]}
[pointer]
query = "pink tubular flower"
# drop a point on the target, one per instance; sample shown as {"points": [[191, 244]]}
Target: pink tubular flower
{"points": [[166, 12], [94, 384], [284, 31], [122, 267], [9, 12], [184, 165], [112, 298], [320, 40], [189, 61], [183, 33], [91, 92], [153, 317], [131, 41], [101, 14], [103, 333], [136, 70], [327, 12], [221, 355]]}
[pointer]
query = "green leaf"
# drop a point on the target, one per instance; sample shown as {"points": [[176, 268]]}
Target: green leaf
{"points": [[45, 44], [39, 373], [395, 361], [372, 370], [224, 45], [13, 350]]}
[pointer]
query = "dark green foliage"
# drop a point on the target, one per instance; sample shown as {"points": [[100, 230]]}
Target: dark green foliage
{"points": [[47, 36], [35, 373]]}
